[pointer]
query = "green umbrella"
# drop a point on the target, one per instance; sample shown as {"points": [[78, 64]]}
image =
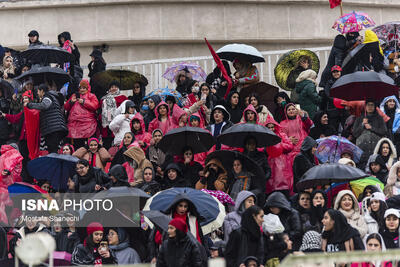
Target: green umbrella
{"points": [[288, 62], [126, 78], [357, 186]]}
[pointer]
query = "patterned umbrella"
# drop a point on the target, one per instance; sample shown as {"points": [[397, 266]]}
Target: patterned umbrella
{"points": [[353, 22], [358, 186], [330, 148], [388, 32], [223, 197], [197, 72], [288, 62], [164, 92]]}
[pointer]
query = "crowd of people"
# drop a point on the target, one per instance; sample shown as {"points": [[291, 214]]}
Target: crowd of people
{"points": [[116, 138]]}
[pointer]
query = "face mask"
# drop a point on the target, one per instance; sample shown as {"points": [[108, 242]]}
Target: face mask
{"points": [[195, 89], [145, 107], [283, 103]]}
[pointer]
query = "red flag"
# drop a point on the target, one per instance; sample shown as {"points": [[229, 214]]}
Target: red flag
{"points": [[221, 66], [32, 131], [335, 3]]}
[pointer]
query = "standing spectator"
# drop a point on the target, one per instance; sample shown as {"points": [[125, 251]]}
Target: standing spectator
{"points": [[306, 88], [247, 240], [97, 64], [118, 176], [138, 129], [138, 92], [261, 110], [386, 149], [119, 158], [190, 168], [149, 184], [82, 108], [150, 114], [90, 252], [306, 159], [319, 203], [34, 38], [162, 120], [392, 187], [219, 122], [173, 177], [179, 250], [217, 81], [322, 127], [184, 81], [155, 154], [120, 125], [64, 40], [281, 99], [215, 177], [109, 104], [7, 70], [52, 121]]}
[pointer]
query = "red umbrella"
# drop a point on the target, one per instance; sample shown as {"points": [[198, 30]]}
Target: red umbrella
{"points": [[362, 85]]}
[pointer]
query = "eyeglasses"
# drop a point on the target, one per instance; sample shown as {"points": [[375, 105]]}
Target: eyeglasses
{"points": [[79, 168]]}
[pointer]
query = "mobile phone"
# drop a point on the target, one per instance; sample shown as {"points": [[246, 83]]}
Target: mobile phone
{"points": [[203, 97], [103, 246], [298, 106]]}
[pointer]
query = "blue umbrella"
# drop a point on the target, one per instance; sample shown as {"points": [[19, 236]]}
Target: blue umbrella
{"points": [[331, 148], [55, 168], [164, 92], [209, 209]]}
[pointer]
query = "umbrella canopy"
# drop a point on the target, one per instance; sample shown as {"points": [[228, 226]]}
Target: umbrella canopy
{"points": [[56, 168], [198, 139], [124, 193], [113, 218], [164, 92], [353, 22], [358, 186], [210, 210], [25, 188], [126, 79], [388, 32], [331, 148], [361, 85], [288, 62], [356, 55], [158, 218], [265, 92], [198, 74], [328, 173], [41, 74], [232, 51], [236, 135], [7, 88], [45, 54]]}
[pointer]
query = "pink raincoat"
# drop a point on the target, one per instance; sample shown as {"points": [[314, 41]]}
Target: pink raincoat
{"points": [[297, 128], [279, 161], [157, 124], [82, 122], [11, 160], [251, 108], [141, 135]]}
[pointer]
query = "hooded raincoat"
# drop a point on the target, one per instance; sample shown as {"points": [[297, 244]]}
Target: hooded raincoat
{"points": [[141, 134], [156, 123]]}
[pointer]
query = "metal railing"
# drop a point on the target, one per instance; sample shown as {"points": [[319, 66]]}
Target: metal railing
{"points": [[153, 69]]}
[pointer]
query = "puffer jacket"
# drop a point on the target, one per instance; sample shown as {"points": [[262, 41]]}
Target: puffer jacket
{"points": [[353, 217], [305, 160], [288, 216], [121, 124], [51, 116], [179, 253], [392, 186], [281, 169], [102, 156], [141, 135], [165, 126], [82, 122], [308, 96], [233, 219]]}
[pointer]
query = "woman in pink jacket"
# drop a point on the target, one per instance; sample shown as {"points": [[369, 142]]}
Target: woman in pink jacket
{"points": [[278, 159], [162, 121], [296, 126], [139, 131], [82, 108]]}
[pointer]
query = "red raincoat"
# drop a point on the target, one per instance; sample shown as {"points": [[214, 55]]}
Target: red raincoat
{"points": [[279, 161], [82, 121], [157, 124], [298, 128], [141, 135], [11, 160]]}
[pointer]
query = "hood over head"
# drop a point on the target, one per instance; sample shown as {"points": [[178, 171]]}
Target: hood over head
{"points": [[250, 107], [386, 99], [340, 196], [227, 116], [278, 200], [309, 74], [162, 103], [138, 117], [308, 144], [119, 172], [241, 197], [392, 178], [340, 42]]}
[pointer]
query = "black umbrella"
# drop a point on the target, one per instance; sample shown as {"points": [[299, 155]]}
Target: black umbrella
{"points": [[124, 193], [45, 54], [41, 74], [328, 173], [236, 135], [157, 218], [198, 139], [265, 92], [362, 85]]}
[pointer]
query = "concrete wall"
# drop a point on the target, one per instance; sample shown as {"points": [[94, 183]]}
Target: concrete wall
{"points": [[150, 29]]}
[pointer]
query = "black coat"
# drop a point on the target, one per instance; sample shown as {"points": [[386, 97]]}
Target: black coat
{"points": [[178, 182], [3, 243], [179, 252], [319, 128], [87, 184], [119, 156], [51, 115], [98, 66], [83, 256], [336, 57], [190, 172], [65, 243], [236, 113], [119, 172], [279, 112], [150, 188], [289, 217], [304, 160]]}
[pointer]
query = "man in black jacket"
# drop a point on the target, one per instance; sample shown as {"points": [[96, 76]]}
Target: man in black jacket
{"points": [[219, 122], [52, 122]]}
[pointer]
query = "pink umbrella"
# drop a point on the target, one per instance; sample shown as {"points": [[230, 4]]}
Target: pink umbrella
{"points": [[353, 22], [223, 197]]}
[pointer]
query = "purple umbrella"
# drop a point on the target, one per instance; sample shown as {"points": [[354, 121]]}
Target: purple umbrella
{"points": [[194, 69]]}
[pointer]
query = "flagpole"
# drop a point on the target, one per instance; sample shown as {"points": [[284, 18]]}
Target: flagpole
{"points": [[341, 9]]}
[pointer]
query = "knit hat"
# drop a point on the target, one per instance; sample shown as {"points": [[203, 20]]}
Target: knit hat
{"points": [[93, 139], [84, 83], [179, 224], [394, 212], [347, 161], [311, 241], [93, 227], [28, 94], [378, 196]]}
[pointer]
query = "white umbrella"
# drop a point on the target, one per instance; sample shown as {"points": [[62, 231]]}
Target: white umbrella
{"points": [[232, 51]]}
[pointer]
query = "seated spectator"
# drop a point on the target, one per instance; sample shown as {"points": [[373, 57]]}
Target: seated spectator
{"points": [[95, 153], [118, 240], [89, 179]]}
